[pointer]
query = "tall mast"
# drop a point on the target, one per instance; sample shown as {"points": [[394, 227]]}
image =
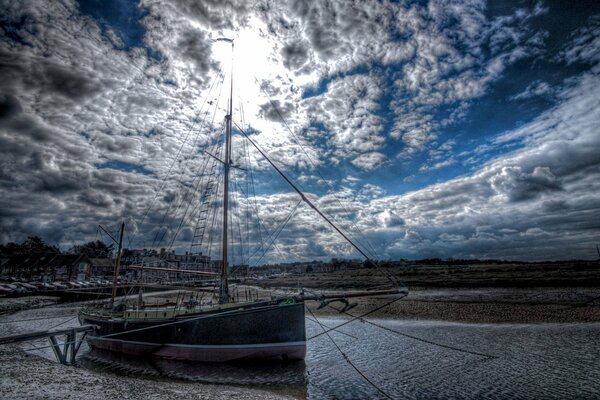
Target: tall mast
{"points": [[224, 288], [117, 265]]}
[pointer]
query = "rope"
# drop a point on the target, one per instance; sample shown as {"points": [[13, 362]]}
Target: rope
{"points": [[277, 232], [164, 181], [348, 359], [369, 247], [415, 337], [62, 323], [328, 327], [430, 341], [357, 317]]}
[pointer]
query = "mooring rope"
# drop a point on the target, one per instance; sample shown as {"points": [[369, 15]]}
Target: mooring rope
{"points": [[354, 318], [328, 327], [366, 378], [446, 346]]}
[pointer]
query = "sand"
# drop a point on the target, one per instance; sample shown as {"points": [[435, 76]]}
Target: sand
{"points": [[25, 376], [523, 305]]}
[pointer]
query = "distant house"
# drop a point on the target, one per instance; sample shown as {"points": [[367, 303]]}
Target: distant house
{"points": [[151, 258], [48, 266], [102, 267]]}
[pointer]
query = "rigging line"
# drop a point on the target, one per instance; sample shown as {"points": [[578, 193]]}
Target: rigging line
{"points": [[347, 358], [185, 199], [261, 228], [235, 210], [188, 189], [173, 204], [259, 222], [217, 221], [215, 195], [62, 323], [277, 232], [299, 143], [205, 198], [359, 316], [247, 181], [254, 204], [253, 197], [306, 200], [176, 156], [190, 196], [189, 193]]}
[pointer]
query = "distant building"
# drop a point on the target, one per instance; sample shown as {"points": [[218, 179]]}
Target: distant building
{"points": [[164, 259], [102, 267], [48, 267]]}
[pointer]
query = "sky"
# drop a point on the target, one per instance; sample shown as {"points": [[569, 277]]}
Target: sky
{"points": [[446, 129]]}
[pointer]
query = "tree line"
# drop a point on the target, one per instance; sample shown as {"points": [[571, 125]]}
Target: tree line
{"points": [[35, 244]]}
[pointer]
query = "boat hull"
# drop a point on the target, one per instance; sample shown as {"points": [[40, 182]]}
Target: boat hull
{"points": [[262, 332]]}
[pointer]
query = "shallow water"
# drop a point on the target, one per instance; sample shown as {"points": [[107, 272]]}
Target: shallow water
{"points": [[532, 360]]}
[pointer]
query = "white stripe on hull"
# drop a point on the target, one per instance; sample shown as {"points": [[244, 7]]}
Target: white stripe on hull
{"points": [[207, 353]]}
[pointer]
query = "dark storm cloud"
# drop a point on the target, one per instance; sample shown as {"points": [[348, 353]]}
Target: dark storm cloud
{"points": [[295, 55], [67, 82], [518, 185], [193, 46], [95, 198], [9, 106], [276, 111], [216, 14]]}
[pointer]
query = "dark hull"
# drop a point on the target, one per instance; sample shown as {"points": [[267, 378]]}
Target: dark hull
{"points": [[263, 332]]}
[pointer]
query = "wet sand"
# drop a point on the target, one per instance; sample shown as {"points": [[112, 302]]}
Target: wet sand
{"points": [[26, 376], [489, 305]]}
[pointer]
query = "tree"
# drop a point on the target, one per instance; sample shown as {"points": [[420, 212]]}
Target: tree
{"points": [[93, 249], [33, 244]]}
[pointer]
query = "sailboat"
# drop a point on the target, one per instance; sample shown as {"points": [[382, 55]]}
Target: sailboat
{"points": [[227, 331]]}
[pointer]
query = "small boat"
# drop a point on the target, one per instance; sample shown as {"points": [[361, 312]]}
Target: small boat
{"points": [[226, 331]]}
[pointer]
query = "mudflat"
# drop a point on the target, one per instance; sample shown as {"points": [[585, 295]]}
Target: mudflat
{"points": [[477, 293]]}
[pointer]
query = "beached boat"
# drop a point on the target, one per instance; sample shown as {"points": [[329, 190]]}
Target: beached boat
{"points": [[226, 331]]}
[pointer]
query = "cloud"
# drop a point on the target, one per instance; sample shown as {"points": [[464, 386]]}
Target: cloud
{"points": [[525, 199], [369, 161], [517, 185], [348, 112], [534, 89], [585, 44], [90, 127]]}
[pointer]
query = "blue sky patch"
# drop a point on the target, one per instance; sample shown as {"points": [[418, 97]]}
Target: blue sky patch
{"points": [[122, 16], [124, 166]]}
